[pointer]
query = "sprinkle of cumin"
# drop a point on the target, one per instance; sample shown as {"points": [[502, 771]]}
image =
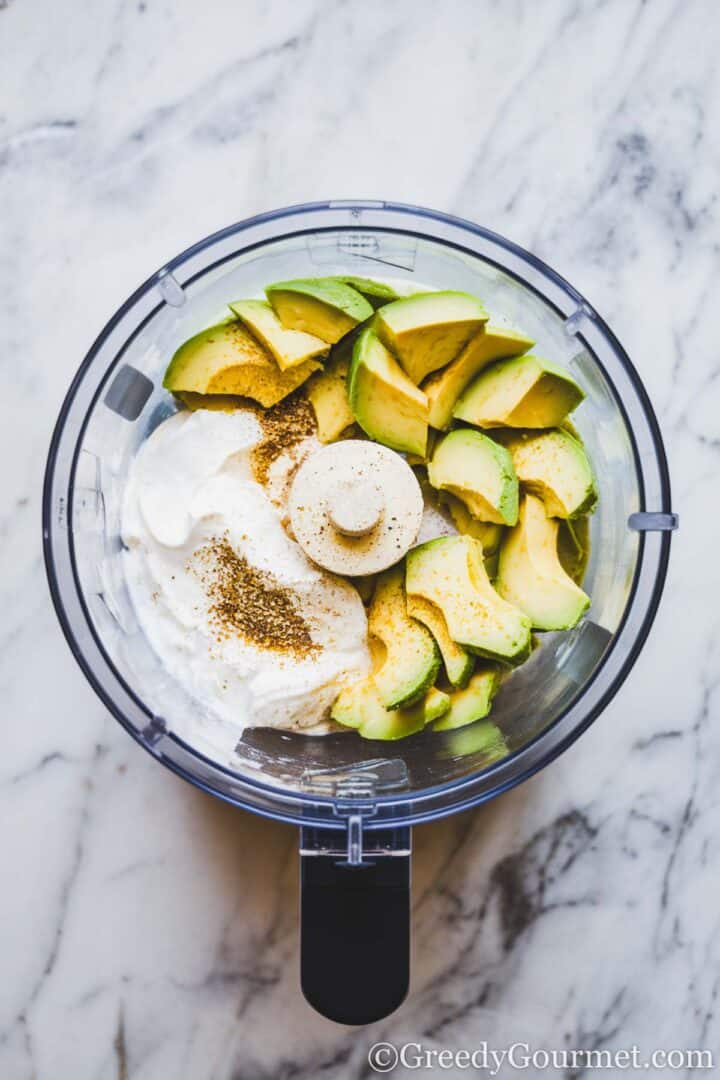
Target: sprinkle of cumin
{"points": [[284, 426], [250, 603]]}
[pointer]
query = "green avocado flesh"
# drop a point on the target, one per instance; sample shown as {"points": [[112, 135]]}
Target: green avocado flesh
{"points": [[473, 702], [530, 574], [458, 662], [360, 707], [524, 391], [450, 572], [327, 391], [410, 658], [289, 347], [486, 532], [484, 741], [554, 466], [428, 330], [479, 472], [324, 307], [573, 547], [379, 293], [423, 372], [228, 359], [386, 404], [444, 388]]}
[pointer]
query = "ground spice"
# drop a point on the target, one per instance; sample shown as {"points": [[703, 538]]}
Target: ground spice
{"points": [[249, 602], [284, 426]]}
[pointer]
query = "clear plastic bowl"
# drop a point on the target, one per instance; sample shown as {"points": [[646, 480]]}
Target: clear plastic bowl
{"points": [[116, 399]]}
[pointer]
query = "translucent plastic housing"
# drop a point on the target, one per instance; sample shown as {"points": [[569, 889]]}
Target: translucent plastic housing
{"points": [[117, 399]]}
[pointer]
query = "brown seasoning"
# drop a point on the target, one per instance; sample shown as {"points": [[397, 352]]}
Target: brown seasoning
{"points": [[250, 603], [284, 426]]}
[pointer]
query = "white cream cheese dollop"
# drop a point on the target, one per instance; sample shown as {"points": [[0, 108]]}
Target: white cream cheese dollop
{"points": [[190, 484]]}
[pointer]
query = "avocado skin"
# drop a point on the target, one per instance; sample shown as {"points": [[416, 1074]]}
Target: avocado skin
{"points": [[377, 293], [328, 290], [299, 303]]}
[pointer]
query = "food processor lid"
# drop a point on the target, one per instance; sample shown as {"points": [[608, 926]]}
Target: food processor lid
{"points": [[363, 234]]}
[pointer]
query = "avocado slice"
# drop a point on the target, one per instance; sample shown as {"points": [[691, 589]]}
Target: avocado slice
{"points": [[495, 342], [360, 706], [227, 359], [328, 389], [450, 572], [554, 466], [416, 459], [458, 662], [479, 472], [473, 702], [388, 407], [378, 293], [573, 547], [488, 533], [410, 658], [524, 391], [484, 738], [428, 330], [289, 347], [530, 574], [324, 307], [327, 392]]}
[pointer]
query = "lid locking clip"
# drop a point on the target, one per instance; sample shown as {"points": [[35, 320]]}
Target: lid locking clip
{"points": [[653, 521], [354, 840], [170, 288]]}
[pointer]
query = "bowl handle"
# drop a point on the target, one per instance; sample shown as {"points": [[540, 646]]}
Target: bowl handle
{"points": [[355, 921]]}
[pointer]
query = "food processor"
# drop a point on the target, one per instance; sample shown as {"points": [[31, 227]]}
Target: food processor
{"points": [[354, 800]]}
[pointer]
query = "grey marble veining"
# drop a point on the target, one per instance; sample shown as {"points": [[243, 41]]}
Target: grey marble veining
{"points": [[147, 932]]}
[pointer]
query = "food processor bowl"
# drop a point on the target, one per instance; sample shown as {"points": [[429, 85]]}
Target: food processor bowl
{"points": [[354, 800]]}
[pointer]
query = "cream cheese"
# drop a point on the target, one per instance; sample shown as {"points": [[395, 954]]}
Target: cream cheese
{"points": [[191, 484]]}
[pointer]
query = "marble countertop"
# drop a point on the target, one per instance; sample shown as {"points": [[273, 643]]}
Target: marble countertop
{"points": [[149, 932]]}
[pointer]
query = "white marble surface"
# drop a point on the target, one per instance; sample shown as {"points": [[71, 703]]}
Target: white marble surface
{"points": [[148, 932]]}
